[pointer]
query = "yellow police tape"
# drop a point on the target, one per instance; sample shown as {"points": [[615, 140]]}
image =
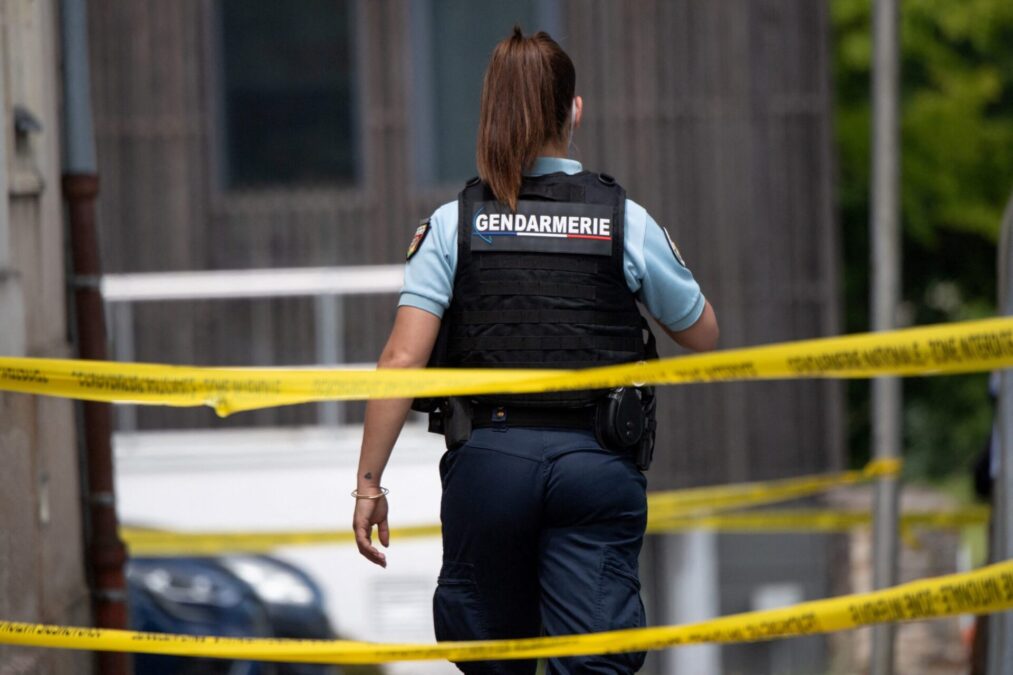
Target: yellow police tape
{"points": [[154, 543], [689, 501], [669, 505], [817, 520], [970, 346], [986, 590]]}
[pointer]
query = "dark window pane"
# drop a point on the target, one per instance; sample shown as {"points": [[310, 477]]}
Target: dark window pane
{"points": [[464, 33], [288, 92]]}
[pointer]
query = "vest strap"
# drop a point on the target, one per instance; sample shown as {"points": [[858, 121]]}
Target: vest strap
{"points": [[549, 342], [521, 363], [547, 316], [577, 264], [538, 288]]}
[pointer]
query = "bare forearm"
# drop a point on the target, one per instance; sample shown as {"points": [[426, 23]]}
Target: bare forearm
{"points": [[409, 345], [384, 420]]}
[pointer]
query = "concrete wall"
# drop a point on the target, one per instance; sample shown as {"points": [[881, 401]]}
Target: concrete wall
{"points": [[41, 568]]}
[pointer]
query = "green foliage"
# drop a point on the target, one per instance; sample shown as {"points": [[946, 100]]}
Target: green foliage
{"points": [[956, 177]]}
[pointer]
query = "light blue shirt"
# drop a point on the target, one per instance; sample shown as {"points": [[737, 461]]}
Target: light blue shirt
{"points": [[653, 274]]}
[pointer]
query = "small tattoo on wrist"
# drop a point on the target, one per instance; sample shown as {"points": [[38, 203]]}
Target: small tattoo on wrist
{"points": [[369, 475]]}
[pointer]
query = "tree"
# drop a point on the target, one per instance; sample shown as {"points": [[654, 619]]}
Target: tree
{"points": [[957, 174]]}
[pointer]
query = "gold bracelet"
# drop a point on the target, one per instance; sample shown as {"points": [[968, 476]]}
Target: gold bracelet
{"points": [[383, 493]]}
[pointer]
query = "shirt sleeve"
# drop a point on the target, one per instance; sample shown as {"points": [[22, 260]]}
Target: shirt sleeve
{"points": [[429, 274], [655, 273]]}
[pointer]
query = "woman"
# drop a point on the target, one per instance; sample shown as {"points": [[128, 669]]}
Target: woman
{"points": [[538, 264]]}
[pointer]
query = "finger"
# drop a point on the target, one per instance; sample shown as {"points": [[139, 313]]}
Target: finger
{"points": [[362, 537], [366, 548], [383, 533]]}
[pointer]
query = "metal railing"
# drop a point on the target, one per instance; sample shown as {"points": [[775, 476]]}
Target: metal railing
{"points": [[328, 285]]}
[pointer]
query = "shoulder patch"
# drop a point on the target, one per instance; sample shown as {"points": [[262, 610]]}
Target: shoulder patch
{"points": [[420, 236], [675, 249]]}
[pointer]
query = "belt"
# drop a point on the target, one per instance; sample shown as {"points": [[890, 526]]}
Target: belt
{"points": [[485, 415]]}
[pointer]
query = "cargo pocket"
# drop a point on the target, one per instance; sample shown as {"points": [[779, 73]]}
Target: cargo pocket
{"points": [[457, 605], [620, 606]]}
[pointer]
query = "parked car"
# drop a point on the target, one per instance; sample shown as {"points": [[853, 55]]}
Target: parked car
{"points": [[242, 596]]}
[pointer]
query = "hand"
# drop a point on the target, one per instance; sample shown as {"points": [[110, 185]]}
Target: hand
{"points": [[370, 512]]}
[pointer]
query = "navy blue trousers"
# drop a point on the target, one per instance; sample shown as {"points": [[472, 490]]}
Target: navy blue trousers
{"points": [[542, 529]]}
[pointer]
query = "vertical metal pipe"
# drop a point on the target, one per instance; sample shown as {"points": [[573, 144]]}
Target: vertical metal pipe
{"points": [[78, 140], [885, 237], [693, 594], [106, 552], [1000, 626], [122, 324], [330, 339]]}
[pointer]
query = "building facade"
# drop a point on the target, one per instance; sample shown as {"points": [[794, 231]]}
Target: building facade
{"points": [[41, 551], [222, 149]]}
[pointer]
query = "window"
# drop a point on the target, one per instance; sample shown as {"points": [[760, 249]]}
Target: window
{"points": [[452, 42], [288, 108]]}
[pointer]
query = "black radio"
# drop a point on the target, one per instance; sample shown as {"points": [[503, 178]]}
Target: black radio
{"points": [[624, 422]]}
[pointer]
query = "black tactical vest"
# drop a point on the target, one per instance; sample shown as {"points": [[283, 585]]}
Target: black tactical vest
{"points": [[543, 287]]}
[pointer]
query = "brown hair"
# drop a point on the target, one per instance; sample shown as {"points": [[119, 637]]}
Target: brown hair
{"points": [[526, 100]]}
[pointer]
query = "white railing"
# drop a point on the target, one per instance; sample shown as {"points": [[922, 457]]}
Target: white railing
{"points": [[258, 283], [328, 285]]}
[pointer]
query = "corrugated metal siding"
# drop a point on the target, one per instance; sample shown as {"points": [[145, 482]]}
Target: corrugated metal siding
{"points": [[715, 116]]}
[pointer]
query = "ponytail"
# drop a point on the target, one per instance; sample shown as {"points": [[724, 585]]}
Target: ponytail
{"points": [[526, 101]]}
